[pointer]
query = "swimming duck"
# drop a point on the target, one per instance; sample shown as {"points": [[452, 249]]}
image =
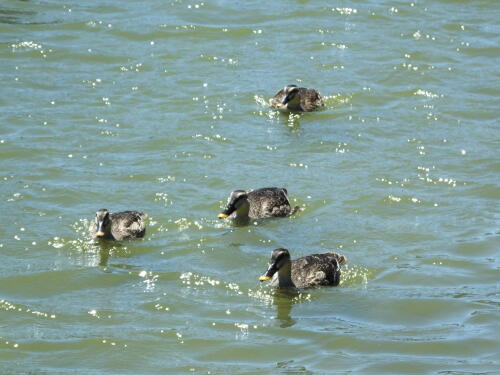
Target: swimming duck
{"points": [[293, 98], [118, 226], [306, 272], [258, 204]]}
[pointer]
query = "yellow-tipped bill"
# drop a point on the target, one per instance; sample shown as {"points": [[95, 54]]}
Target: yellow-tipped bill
{"points": [[222, 216], [99, 234], [264, 278]]}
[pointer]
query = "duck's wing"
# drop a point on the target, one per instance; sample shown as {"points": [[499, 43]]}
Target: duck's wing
{"points": [[277, 98], [128, 224], [269, 202], [317, 270], [310, 99]]}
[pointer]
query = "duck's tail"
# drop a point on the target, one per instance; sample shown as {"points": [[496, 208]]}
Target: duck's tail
{"points": [[294, 210]]}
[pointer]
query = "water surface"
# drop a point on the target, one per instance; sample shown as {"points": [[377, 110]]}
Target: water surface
{"points": [[162, 107]]}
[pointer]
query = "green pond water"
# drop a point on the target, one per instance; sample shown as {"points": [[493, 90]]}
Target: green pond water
{"points": [[162, 106]]}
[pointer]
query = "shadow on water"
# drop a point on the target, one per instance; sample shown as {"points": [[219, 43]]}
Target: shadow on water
{"points": [[241, 222], [11, 16], [292, 119], [244, 222], [15, 16], [284, 299], [105, 249]]}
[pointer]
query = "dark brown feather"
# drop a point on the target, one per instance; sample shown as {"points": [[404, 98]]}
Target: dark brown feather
{"points": [[308, 100], [317, 270], [123, 225], [268, 202]]}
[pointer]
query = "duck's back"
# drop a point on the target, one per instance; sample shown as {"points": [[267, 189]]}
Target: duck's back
{"points": [[317, 270], [128, 224], [268, 202], [310, 99]]}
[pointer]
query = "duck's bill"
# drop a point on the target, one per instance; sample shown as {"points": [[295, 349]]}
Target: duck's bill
{"points": [[222, 215], [272, 269], [100, 229]]}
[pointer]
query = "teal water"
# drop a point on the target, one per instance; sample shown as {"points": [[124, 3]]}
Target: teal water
{"points": [[162, 107]]}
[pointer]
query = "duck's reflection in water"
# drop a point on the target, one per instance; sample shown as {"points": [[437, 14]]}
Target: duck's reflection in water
{"points": [[105, 250], [108, 249], [284, 299]]}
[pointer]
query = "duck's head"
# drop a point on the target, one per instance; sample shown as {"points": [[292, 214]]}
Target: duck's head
{"points": [[102, 222], [237, 199], [279, 259], [289, 94]]}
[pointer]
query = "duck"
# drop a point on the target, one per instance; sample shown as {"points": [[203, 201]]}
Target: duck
{"points": [[257, 204], [307, 272], [301, 99], [119, 225]]}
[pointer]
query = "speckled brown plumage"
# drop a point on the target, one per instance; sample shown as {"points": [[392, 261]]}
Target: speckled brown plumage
{"points": [[269, 202], [293, 98], [120, 225], [258, 204], [306, 272], [317, 270]]}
